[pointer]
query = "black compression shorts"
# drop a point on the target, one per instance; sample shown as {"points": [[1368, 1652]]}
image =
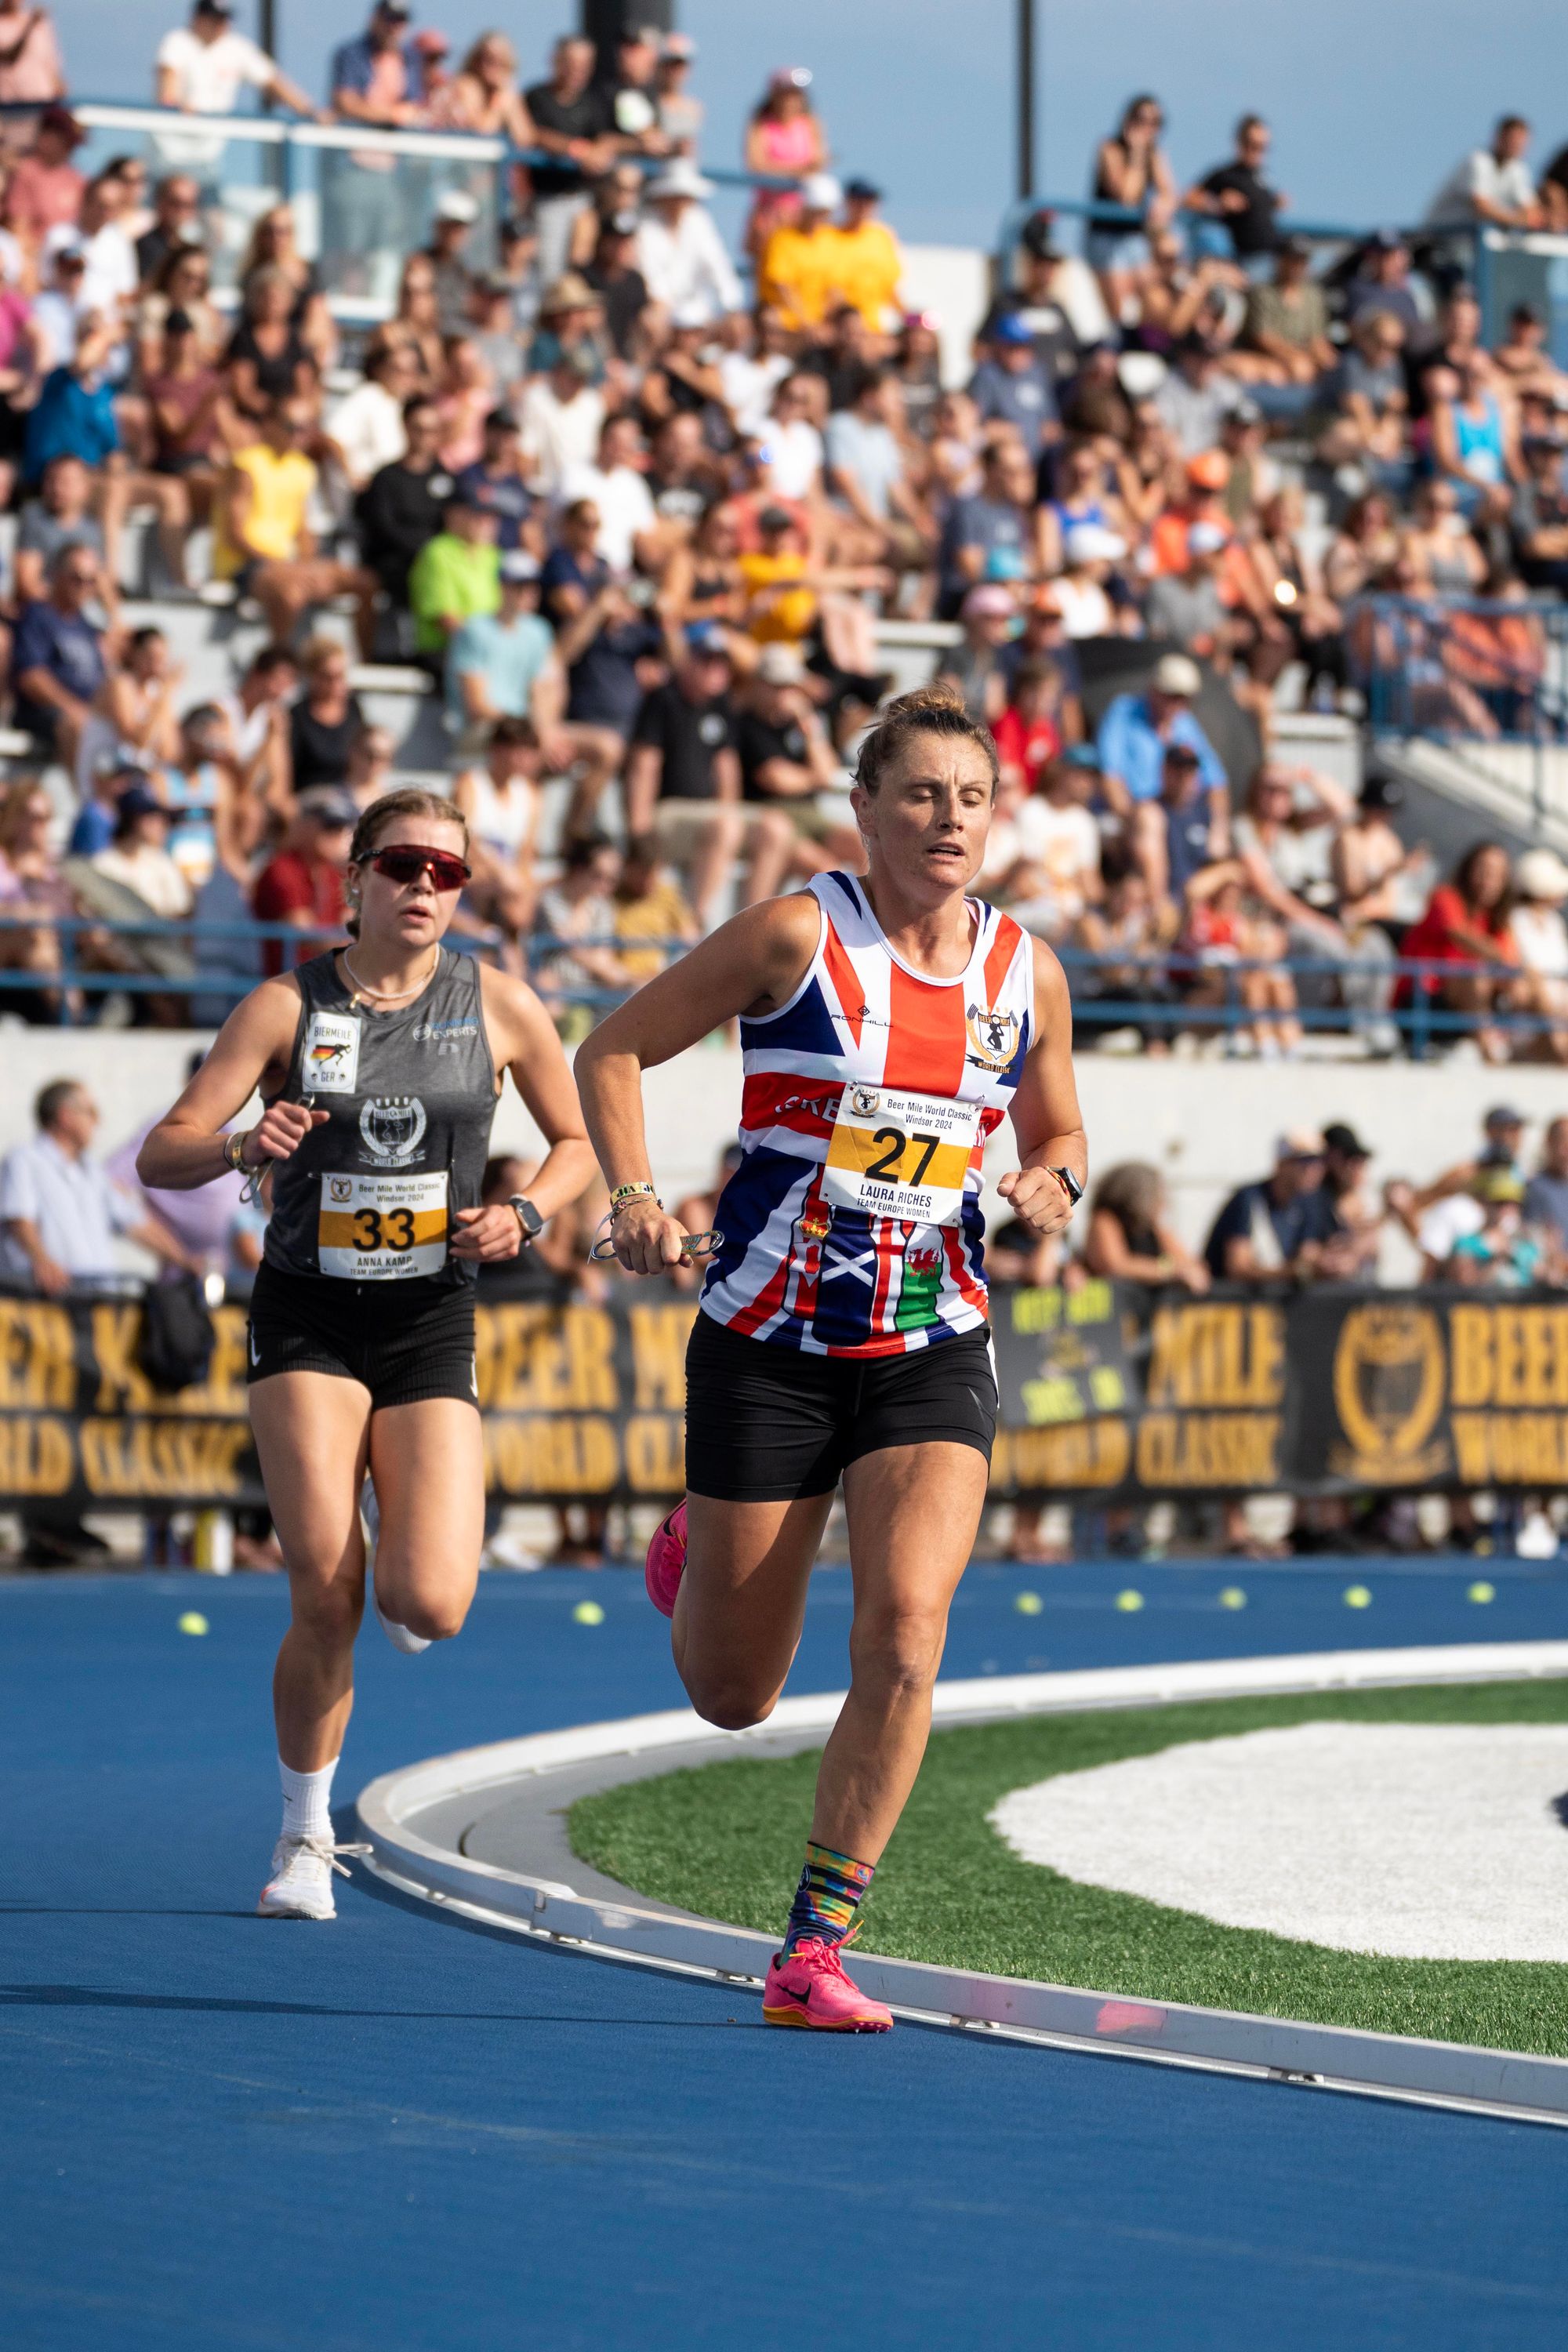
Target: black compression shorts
{"points": [[403, 1341], [767, 1424]]}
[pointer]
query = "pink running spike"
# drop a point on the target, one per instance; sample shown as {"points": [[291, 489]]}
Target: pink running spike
{"points": [[808, 1987], [665, 1561]]}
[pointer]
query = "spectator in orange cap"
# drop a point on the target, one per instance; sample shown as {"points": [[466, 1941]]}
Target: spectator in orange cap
{"points": [[1208, 479]]}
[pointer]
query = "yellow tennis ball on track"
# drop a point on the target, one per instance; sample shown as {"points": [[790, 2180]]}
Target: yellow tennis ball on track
{"points": [[1233, 1597], [1481, 1590], [193, 1622], [587, 1612], [1028, 1605], [1356, 1596], [1129, 1600]]}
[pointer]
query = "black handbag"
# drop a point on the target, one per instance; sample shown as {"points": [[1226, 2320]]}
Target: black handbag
{"points": [[177, 1334]]}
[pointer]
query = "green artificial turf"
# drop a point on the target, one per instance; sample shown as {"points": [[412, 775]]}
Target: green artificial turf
{"points": [[725, 1840]]}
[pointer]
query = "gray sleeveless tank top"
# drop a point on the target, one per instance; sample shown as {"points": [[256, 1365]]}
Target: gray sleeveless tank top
{"points": [[410, 1099]]}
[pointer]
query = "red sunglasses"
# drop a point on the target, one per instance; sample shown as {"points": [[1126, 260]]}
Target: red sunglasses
{"points": [[405, 862]]}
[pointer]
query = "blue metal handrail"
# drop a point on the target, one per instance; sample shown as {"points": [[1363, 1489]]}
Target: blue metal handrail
{"points": [[1421, 1019], [70, 977], [1421, 632]]}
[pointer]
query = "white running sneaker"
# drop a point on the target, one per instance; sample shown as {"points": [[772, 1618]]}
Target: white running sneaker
{"points": [[300, 1886], [370, 1521]]}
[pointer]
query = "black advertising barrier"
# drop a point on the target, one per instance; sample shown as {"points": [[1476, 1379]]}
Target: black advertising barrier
{"points": [[1109, 1393], [1116, 1393]]}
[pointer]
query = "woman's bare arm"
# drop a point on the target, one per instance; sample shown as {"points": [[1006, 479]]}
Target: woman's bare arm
{"points": [[750, 964], [524, 1042], [185, 1150], [1047, 1121]]}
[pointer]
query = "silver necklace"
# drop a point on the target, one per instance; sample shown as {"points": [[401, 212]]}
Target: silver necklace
{"points": [[387, 995]]}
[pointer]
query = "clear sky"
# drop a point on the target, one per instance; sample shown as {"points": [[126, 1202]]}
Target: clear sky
{"points": [[1372, 100]]}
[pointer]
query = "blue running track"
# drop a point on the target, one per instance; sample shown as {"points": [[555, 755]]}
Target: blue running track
{"points": [[401, 2134]]}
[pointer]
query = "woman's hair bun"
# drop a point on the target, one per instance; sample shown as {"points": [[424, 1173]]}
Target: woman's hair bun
{"points": [[935, 708], [939, 694]]}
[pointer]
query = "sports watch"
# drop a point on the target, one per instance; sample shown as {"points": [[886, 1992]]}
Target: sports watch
{"points": [[1068, 1184], [528, 1217]]}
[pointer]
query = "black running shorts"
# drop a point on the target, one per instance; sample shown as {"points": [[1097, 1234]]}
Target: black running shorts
{"points": [[766, 1424], [402, 1340]]}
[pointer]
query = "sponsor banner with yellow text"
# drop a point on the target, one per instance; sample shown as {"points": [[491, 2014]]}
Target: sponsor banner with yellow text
{"points": [[1108, 1393]]}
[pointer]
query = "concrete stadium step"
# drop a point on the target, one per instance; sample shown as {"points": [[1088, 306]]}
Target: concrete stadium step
{"points": [[1458, 793]]}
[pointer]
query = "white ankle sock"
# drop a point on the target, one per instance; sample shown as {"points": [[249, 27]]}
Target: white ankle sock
{"points": [[307, 1800], [398, 1636]]}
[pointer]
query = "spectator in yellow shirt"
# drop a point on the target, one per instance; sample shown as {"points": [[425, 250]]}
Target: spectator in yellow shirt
{"points": [[781, 609], [263, 541], [869, 262], [800, 266]]}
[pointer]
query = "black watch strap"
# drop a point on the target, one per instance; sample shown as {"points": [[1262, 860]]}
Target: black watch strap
{"points": [[528, 1217], [1068, 1184]]}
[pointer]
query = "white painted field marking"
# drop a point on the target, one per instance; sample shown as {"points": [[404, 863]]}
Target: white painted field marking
{"points": [[1412, 1841]]}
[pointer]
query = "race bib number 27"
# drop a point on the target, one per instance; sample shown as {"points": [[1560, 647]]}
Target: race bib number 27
{"points": [[900, 1155], [382, 1228]]}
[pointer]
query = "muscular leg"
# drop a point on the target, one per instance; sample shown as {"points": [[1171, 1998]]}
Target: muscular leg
{"points": [[427, 1461], [742, 1597], [311, 1433], [914, 1512]]}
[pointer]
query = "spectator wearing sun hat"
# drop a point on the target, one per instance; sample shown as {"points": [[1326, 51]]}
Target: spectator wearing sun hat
{"points": [[456, 212], [1138, 729], [1090, 551], [798, 273], [870, 264], [1541, 936], [680, 252]]}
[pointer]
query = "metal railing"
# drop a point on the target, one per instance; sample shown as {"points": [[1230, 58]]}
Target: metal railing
{"points": [[185, 959], [362, 199], [1472, 673], [1399, 994], [1505, 266], [1395, 994]]}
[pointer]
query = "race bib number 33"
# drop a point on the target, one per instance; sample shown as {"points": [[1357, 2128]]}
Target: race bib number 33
{"points": [[382, 1228], [900, 1155]]}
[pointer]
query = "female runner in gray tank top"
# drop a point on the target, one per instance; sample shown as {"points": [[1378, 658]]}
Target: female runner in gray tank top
{"points": [[379, 1069]]}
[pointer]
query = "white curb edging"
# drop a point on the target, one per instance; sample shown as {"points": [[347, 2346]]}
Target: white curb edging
{"points": [[1500, 2083]]}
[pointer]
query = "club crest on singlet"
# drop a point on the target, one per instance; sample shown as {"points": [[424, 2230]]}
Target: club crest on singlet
{"points": [[392, 1126], [993, 1036]]}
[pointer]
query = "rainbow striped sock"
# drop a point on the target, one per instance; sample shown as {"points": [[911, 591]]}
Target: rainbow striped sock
{"points": [[832, 1887]]}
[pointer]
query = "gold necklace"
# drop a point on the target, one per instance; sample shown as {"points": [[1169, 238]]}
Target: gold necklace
{"points": [[386, 995]]}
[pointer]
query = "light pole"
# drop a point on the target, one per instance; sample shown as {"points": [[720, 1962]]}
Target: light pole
{"points": [[1026, 70]]}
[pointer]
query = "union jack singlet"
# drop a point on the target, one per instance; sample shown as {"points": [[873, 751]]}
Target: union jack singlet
{"points": [[852, 1226]]}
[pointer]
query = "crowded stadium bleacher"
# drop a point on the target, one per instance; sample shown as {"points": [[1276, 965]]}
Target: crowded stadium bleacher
{"points": [[513, 470]]}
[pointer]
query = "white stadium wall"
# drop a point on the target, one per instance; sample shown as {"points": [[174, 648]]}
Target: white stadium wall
{"points": [[1207, 1125]]}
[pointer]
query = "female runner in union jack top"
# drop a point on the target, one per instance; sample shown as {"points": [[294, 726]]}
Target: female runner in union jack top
{"points": [[888, 1022]]}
